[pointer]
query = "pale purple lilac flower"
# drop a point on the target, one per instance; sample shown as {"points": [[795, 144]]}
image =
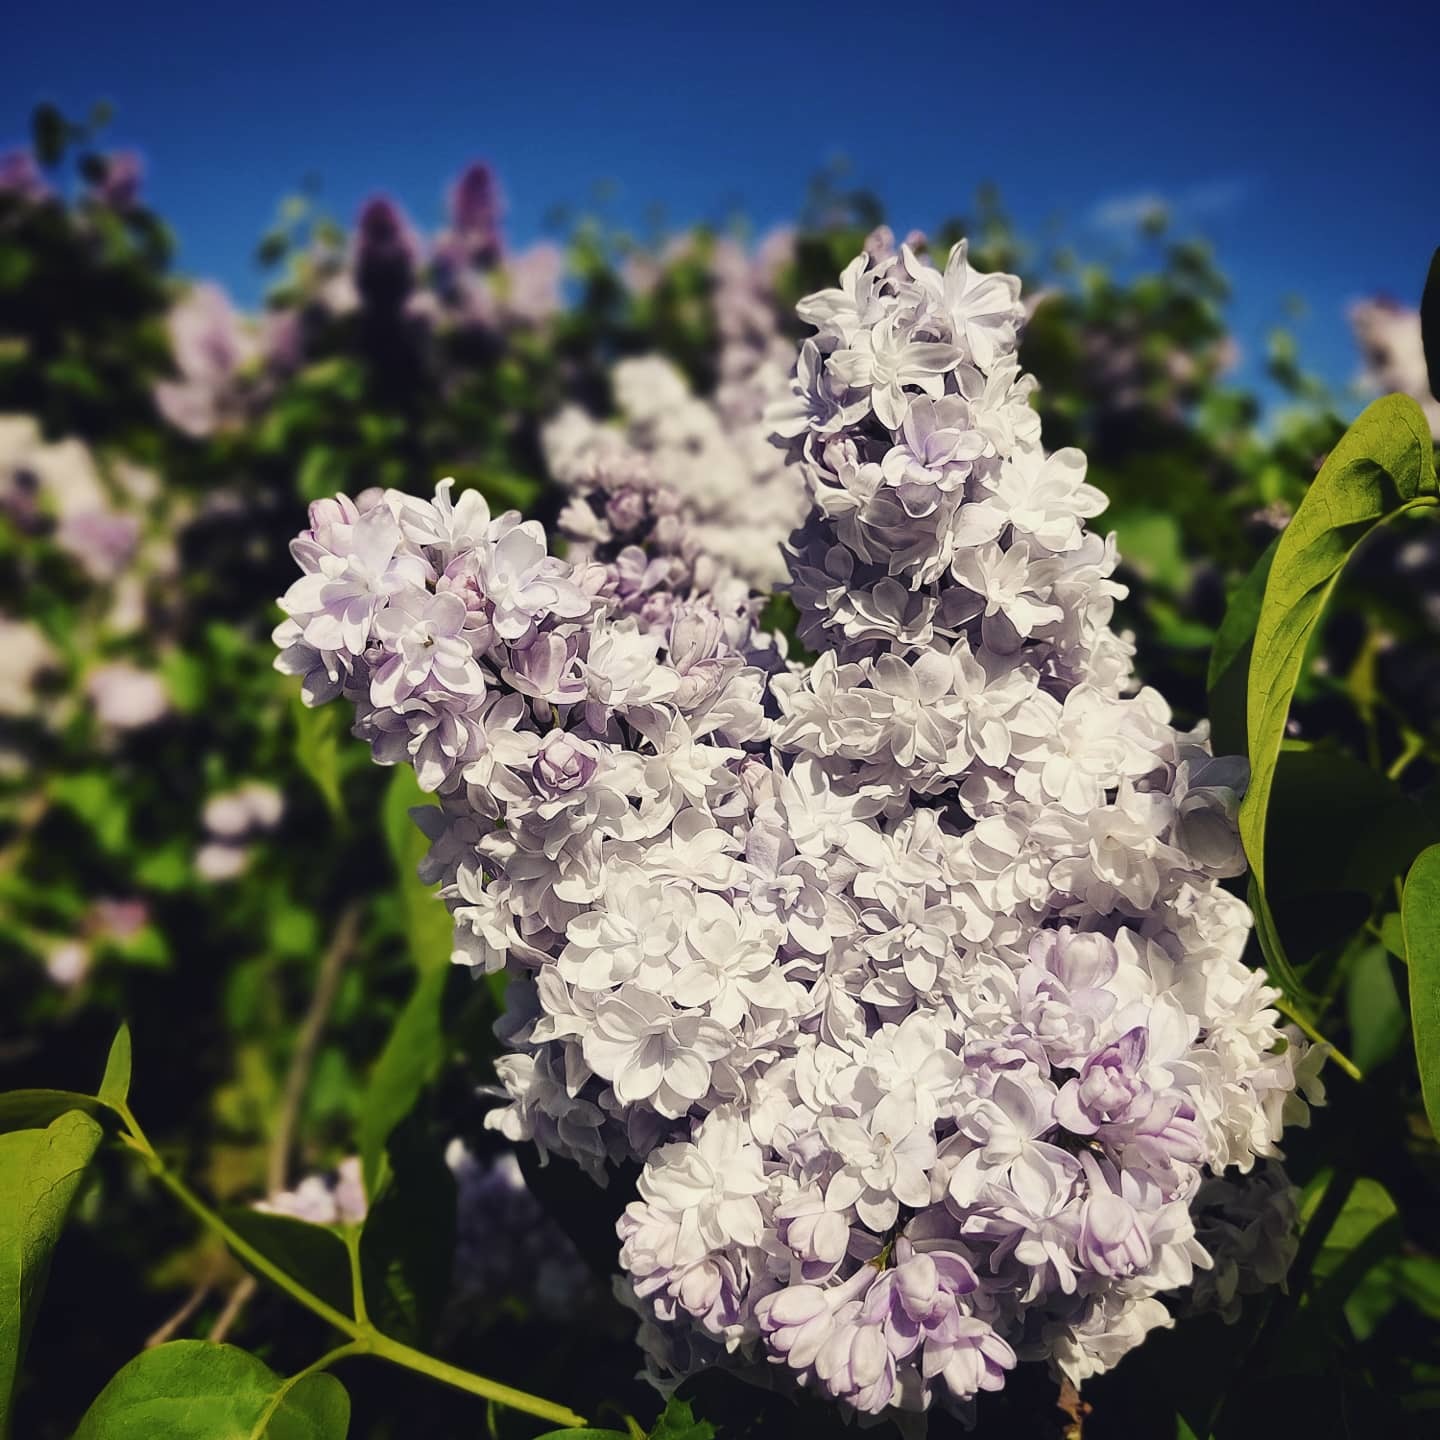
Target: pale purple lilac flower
{"points": [[906, 976]]}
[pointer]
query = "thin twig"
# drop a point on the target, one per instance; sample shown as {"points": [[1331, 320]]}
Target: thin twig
{"points": [[239, 1299], [297, 1080], [188, 1307], [307, 1045]]}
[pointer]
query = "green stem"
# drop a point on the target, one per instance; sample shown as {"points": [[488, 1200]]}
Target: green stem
{"points": [[364, 1337], [350, 1234], [355, 1347], [1414, 748], [412, 1359], [1337, 1055]]}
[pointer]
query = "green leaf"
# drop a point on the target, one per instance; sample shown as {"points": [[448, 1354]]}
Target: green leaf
{"points": [[40, 1171], [429, 932], [35, 1109], [1151, 542], [317, 749], [407, 1248], [1277, 962], [586, 1432], [196, 1390], [1230, 657], [1430, 323], [115, 1086], [1392, 935], [1420, 915], [1318, 891], [1377, 1020], [98, 801], [677, 1422], [1367, 1225], [1381, 465], [408, 1063], [315, 1255]]}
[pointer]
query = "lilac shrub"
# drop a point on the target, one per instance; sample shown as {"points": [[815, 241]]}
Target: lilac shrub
{"points": [[906, 975]]}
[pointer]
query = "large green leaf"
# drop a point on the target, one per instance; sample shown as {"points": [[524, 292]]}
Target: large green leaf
{"points": [[40, 1171], [408, 1063], [1420, 915], [1381, 466], [428, 930], [196, 1390]]}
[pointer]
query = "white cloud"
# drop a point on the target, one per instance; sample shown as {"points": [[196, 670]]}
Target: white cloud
{"points": [[1205, 200]]}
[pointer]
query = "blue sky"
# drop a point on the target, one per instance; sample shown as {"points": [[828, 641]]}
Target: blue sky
{"points": [[1304, 147]]}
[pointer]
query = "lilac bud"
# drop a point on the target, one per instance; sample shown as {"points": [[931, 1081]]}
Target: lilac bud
{"points": [[475, 210], [796, 1322], [1109, 1090], [119, 188], [545, 669], [1113, 1238], [626, 510], [20, 176], [1081, 961], [564, 763], [855, 1362], [696, 634], [387, 255]]}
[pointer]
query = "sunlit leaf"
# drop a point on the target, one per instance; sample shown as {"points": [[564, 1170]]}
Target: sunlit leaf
{"points": [[1382, 464], [35, 1109], [196, 1390], [1420, 914], [40, 1171], [115, 1086]]}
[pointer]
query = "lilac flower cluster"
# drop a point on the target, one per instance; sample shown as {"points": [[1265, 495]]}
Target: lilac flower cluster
{"points": [[739, 497], [505, 1244], [907, 975]]}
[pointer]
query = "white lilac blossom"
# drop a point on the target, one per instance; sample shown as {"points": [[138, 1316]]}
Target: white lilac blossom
{"points": [[125, 697], [214, 349], [61, 484], [336, 1198], [233, 819], [906, 976], [740, 498], [1392, 354], [25, 656]]}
